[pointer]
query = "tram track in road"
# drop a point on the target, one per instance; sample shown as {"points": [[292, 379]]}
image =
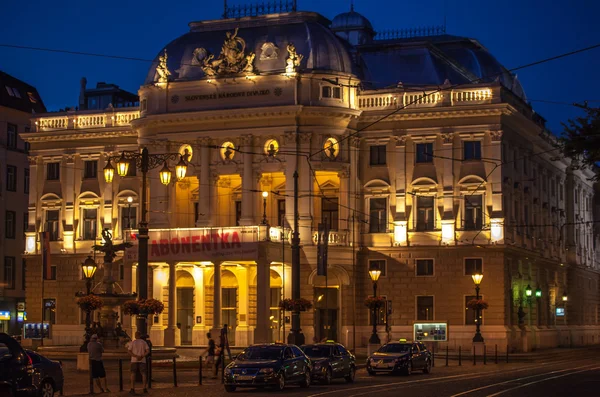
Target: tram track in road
{"points": [[548, 368]]}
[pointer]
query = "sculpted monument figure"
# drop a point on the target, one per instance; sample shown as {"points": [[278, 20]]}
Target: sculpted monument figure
{"points": [[293, 60], [162, 70], [232, 60]]}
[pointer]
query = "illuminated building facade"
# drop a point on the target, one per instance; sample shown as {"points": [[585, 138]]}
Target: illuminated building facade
{"points": [[420, 153]]}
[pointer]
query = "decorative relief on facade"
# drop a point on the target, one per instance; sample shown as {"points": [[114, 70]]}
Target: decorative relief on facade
{"points": [[447, 137], [401, 140], [187, 152], [227, 151], [293, 60], [289, 137], [269, 51], [232, 60], [305, 137], [162, 70], [271, 147], [496, 135], [331, 148]]}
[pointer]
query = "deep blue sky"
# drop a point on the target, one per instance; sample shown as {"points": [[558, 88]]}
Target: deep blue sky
{"points": [[515, 31]]}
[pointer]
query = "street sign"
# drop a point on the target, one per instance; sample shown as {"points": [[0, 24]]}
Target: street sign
{"points": [[430, 331]]}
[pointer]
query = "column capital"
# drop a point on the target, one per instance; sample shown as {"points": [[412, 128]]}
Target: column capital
{"points": [[496, 135], [447, 137]]}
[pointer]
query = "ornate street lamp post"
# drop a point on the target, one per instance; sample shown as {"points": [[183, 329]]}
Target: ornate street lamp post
{"points": [[129, 201], [265, 194], [374, 273], [89, 268], [145, 161], [477, 280]]}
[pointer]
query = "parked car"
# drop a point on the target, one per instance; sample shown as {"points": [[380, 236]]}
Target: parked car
{"points": [[403, 356], [26, 373], [265, 365], [330, 361]]}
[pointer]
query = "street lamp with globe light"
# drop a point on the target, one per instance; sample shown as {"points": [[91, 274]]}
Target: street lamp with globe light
{"points": [[477, 280], [89, 268], [265, 194], [374, 273]]}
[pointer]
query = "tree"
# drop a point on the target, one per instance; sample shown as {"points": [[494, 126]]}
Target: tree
{"points": [[581, 138]]}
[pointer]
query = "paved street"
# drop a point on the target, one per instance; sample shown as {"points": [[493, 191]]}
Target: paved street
{"points": [[575, 372]]}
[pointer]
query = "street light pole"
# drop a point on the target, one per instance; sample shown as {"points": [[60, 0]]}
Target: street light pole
{"points": [[89, 269], [296, 336], [374, 273], [142, 270], [265, 194], [477, 280]]}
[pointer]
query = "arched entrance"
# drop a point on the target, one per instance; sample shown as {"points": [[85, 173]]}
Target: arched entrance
{"points": [[229, 303], [276, 320], [185, 305], [327, 302]]}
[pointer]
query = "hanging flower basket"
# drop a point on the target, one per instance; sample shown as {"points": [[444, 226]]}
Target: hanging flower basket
{"points": [[375, 302], [292, 305], [89, 303], [131, 307], [477, 304], [143, 307]]}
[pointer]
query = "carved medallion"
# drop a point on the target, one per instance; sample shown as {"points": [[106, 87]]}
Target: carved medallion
{"points": [[269, 51]]}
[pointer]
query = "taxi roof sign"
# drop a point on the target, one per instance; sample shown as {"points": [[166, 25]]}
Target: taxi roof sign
{"points": [[329, 341], [402, 340]]}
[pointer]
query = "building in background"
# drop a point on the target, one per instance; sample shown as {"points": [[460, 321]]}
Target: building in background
{"points": [[426, 160], [18, 100]]}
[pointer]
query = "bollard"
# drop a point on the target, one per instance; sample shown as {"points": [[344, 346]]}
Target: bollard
{"points": [[149, 370], [496, 355], [507, 354], [174, 372], [200, 371], [91, 379], [446, 355], [120, 375], [484, 355], [459, 356], [433, 355]]}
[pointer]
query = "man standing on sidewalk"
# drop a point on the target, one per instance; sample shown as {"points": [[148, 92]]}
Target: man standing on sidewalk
{"points": [[95, 350], [138, 350]]}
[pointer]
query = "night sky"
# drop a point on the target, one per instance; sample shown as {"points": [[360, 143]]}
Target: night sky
{"points": [[516, 32]]}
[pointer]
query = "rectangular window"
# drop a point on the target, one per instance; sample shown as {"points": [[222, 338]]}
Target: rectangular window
{"points": [[424, 267], [472, 150], [471, 314], [10, 224], [11, 136], [128, 218], [52, 171], [329, 212], [377, 155], [23, 272], [281, 212], [381, 264], [11, 178], [90, 169], [425, 214], [26, 181], [424, 153], [52, 224], [50, 311], [473, 212], [425, 308], [25, 221], [326, 92], [473, 266], [238, 212], [52, 272], [377, 215], [89, 223], [9, 272], [337, 92]]}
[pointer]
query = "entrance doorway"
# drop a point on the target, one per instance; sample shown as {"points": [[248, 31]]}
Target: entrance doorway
{"points": [[229, 311], [185, 314], [326, 313]]}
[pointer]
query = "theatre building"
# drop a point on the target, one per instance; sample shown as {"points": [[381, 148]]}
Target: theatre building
{"points": [[417, 149]]}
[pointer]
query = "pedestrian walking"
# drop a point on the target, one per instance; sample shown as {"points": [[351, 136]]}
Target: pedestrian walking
{"points": [[138, 350], [95, 350], [219, 355], [210, 359]]}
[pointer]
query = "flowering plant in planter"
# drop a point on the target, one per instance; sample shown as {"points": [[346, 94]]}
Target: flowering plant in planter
{"points": [[375, 302], [89, 303], [477, 304], [131, 307], [295, 304], [143, 307]]}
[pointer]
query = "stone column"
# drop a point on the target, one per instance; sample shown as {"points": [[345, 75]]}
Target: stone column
{"points": [[243, 335], [172, 335], [204, 186], [157, 334], [199, 330], [248, 184], [216, 325], [262, 333]]}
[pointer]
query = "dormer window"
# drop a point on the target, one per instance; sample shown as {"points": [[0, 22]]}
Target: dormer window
{"points": [[331, 92]]}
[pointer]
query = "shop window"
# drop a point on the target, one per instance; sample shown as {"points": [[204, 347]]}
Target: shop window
{"points": [[473, 266], [377, 155], [424, 153], [424, 267], [378, 215], [425, 308], [275, 312], [380, 314]]}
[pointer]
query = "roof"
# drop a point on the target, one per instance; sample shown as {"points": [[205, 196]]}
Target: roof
{"points": [[17, 94]]}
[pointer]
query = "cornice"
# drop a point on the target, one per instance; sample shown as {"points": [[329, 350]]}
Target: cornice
{"points": [[445, 113], [75, 135]]}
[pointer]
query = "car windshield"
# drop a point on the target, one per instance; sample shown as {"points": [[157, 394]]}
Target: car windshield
{"points": [[261, 353], [317, 351], [395, 348]]}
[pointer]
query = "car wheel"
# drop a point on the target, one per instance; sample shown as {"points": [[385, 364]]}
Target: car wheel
{"points": [[427, 369], [281, 382], [46, 389], [328, 377], [351, 375], [408, 369], [229, 388], [306, 381]]}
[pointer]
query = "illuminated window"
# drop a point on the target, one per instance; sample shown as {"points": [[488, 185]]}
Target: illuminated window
{"points": [[331, 148]]}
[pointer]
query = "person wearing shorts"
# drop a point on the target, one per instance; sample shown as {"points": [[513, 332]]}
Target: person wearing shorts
{"points": [[138, 350], [95, 350]]}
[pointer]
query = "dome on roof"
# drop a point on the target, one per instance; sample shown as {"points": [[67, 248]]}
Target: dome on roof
{"points": [[350, 20]]}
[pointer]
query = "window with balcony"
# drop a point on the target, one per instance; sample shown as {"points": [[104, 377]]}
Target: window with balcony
{"points": [[473, 266], [11, 136], [471, 314], [424, 267], [128, 218], [424, 153], [472, 150], [378, 215], [90, 220], [11, 178], [26, 181], [9, 272], [473, 212], [90, 169], [425, 310], [377, 155], [329, 212], [281, 212], [10, 224], [52, 171], [52, 224], [425, 213]]}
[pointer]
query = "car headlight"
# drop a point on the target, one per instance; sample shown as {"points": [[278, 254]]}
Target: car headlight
{"points": [[266, 370]]}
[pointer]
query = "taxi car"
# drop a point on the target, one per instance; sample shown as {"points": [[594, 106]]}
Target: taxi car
{"points": [[330, 361], [271, 364], [402, 356]]}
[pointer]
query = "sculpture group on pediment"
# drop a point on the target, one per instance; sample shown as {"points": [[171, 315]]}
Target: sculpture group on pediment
{"points": [[162, 70], [293, 60], [232, 60]]}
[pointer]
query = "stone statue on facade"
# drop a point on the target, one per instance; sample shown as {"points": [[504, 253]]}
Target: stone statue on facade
{"points": [[232, 60], [293, 60], [162, 70]]}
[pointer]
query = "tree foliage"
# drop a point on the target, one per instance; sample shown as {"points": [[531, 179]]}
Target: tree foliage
{"points": [[581, 138]]}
